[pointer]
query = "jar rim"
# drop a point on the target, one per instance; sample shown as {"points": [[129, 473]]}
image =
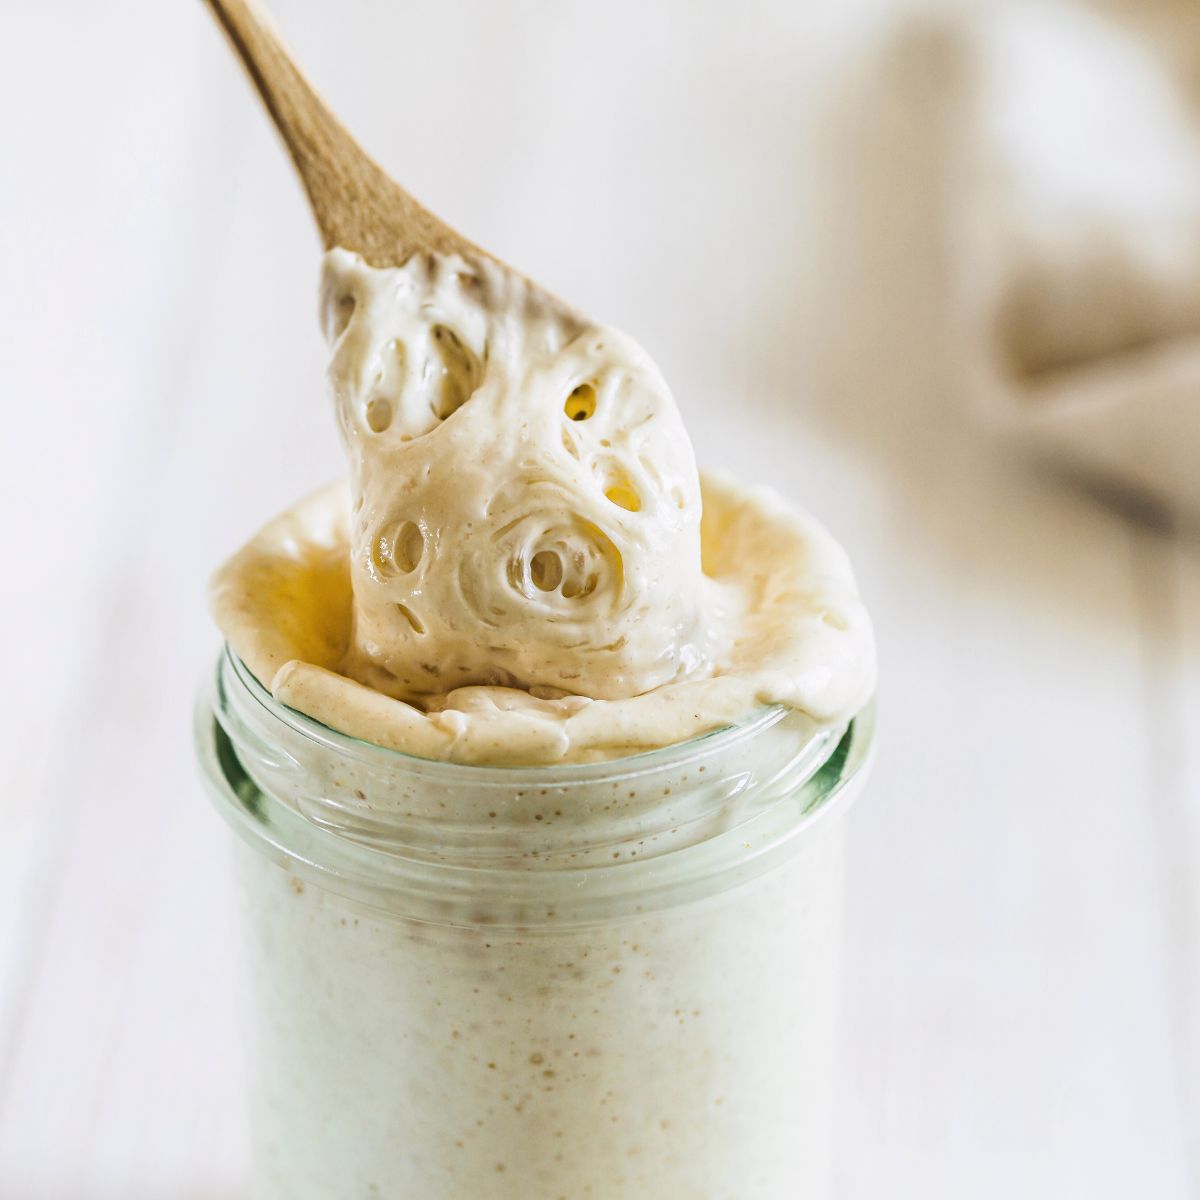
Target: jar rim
{"points": [[771, 779], [348, 746]]}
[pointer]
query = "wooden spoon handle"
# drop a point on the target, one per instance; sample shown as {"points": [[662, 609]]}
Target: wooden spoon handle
{"points": [[355, 202]]}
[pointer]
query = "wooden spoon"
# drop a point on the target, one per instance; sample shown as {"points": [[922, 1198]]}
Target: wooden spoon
{"points": [[357, 205]]}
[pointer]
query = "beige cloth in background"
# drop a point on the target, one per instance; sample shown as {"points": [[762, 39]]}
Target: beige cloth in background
{"points": [[1077, 221]]}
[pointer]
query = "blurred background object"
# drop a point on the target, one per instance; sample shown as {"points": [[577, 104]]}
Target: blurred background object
{"points": [[1077, 218], [847, 233]]}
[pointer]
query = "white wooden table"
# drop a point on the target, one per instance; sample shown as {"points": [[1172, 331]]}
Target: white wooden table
{"points": [[1023, 986]]}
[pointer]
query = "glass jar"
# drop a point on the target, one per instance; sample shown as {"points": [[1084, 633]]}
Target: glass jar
{"points": [[608, 980]]}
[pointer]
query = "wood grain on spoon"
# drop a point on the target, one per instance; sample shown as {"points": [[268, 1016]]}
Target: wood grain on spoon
{"points": [[357, 205]]}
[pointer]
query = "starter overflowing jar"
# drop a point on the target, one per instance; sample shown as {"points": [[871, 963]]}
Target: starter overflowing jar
{"points": [[538, 745]]}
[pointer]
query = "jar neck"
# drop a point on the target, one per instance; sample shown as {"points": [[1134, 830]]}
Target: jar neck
{"points": [[435, 838]]}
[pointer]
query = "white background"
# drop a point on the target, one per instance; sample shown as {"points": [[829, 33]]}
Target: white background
{"points": [[752, 191]]}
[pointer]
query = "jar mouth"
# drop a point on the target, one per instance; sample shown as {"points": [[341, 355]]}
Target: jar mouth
{"points": [[527, 846], [351, 747]]}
